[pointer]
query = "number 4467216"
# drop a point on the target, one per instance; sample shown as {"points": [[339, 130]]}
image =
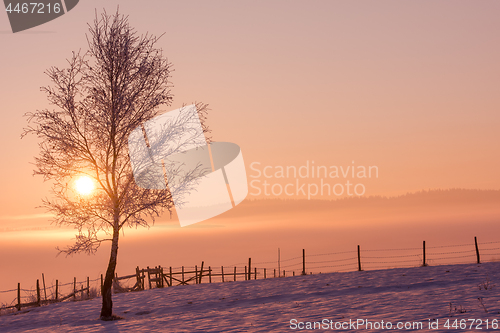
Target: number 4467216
{"points": [[34, 8], [471, 324]]}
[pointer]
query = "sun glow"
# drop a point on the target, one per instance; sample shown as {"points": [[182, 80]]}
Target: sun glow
{"points": [[84, 185]]}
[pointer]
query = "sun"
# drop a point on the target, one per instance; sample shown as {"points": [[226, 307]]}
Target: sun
{"points": [[84, 185]]}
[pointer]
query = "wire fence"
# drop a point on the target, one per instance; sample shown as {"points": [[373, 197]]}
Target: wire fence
{"points": [[21, 296], [360, 259], [370, 259], [342, 261]]}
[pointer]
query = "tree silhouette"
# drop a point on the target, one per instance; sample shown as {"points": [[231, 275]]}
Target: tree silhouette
{"points": [[100, 98]]}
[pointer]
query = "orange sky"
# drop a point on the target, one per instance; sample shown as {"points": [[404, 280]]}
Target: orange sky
{"points": [[411, 87]]}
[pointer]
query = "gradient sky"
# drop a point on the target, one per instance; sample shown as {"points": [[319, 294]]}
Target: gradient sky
{"points": [[411, 87]]}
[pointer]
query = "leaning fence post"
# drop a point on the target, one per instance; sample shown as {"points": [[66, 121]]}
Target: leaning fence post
{"points": [[44, 290], [57, 290], [477, 250], [359, 259], [18, 296], [38, 291], [424, 263], [303, 261]]}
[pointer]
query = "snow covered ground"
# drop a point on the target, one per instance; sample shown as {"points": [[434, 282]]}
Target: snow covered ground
{"points": [[437, 294]]}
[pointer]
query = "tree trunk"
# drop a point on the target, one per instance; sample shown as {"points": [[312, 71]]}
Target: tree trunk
{"points": [[107, 303]]}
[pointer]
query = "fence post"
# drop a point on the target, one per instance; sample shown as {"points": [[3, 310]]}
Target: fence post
{"points": [[149, 277], [81, 292], [196, 273], [279, 259], [138, 277], [209, 274], [57, 290], [161, 277], [264, 273], [255, 273], [246, 274], [275, 272], [303, 261], [18, 296], [424, 263], [477, 250], [284, 275], [88, 287], [38, 292], [74, 288], [201, 270], [234, 273], [293, 273], [170, 276], [44, 290], [249, 268], [182, 274], [222, 272], [359, 259]]}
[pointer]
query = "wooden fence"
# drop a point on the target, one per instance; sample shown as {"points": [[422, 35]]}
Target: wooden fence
{"points": [[160, 277]]}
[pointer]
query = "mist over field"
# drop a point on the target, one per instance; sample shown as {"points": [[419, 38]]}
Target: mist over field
{"points": [[257, 228]]}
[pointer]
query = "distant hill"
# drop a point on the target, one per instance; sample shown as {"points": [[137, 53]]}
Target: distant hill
{"points": [[422, 200]]}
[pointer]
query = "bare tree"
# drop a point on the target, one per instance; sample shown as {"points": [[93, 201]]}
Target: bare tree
{"points": [[100, 98]]}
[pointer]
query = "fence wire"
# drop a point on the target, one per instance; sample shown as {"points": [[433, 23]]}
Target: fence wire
{"points": [[340, 261]]}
